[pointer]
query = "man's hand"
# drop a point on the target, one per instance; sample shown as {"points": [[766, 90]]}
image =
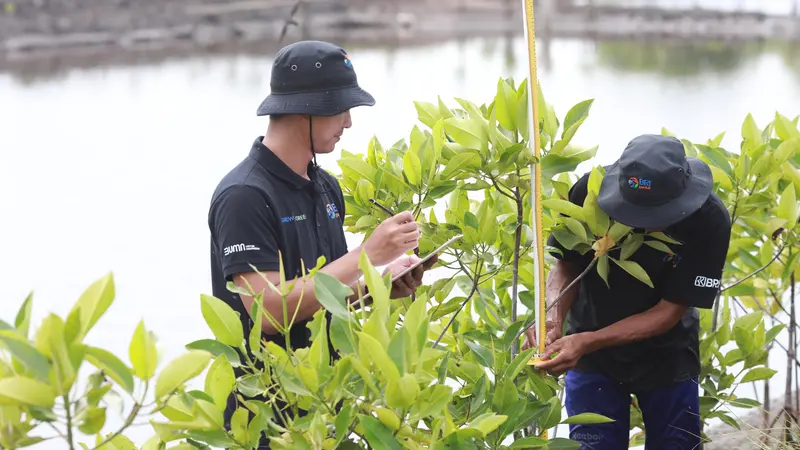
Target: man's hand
{"points": [[569, 348], [553, 329], [392, 238], [408, 283]]}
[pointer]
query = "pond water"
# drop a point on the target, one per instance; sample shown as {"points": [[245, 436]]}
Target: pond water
{"points": [[111, 169]]}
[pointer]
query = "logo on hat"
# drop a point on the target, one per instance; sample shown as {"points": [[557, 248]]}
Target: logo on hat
{"points": [[636, 183], [347, 61]]}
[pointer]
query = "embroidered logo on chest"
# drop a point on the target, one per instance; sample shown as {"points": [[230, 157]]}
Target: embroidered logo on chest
{"points": [[289, 219], [332, 211]]}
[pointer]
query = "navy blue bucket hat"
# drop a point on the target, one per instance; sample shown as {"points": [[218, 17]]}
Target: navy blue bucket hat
{"points": [[653, 184], [313, 78]]}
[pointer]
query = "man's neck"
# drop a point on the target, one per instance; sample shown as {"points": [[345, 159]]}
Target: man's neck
{"points": [[291, 149]]}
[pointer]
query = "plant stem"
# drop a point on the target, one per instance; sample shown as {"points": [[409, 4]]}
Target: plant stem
{"points": [[515, 266], [792, 352], [128, 421], [453, 317], [68, 408], [761, 269], [560, 296]]}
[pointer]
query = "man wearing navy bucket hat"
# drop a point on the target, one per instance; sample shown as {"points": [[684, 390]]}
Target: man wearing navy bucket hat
{"points": [[626, 338], [277, 206]]}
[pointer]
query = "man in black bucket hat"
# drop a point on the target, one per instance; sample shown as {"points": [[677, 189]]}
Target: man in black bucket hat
{"points": [[626, 338], [277, 206]]}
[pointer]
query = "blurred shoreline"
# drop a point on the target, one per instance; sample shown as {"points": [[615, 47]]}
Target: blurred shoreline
{"points": [[39, 38], [36, 40]]}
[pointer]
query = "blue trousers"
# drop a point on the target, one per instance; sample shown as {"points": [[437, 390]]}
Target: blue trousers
{"points": [[671, 414]]}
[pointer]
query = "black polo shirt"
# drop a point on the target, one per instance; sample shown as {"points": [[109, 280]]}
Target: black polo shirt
{"points": [[691, 277], [262, 207]]}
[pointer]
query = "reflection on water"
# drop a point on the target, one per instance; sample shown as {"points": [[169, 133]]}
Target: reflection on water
{"points": [[112, 168]]}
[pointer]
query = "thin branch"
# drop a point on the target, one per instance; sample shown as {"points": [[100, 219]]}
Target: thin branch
{"points": [[764, 267], [515, 266], [453, 317], [558, 299]]}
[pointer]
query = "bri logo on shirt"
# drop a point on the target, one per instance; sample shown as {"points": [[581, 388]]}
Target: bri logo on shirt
{"points": [[333, 212], [702, 281]]}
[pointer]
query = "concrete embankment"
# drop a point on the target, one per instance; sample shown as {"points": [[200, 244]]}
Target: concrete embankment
{"points": [[98, 31]]}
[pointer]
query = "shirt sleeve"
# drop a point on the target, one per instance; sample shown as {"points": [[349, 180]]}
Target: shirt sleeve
{"points": [[695, 279], [577, 195], [244, 231]]}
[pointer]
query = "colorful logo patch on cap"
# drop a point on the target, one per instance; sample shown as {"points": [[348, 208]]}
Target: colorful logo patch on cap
{"points": [[639, 183], [347, 61]]}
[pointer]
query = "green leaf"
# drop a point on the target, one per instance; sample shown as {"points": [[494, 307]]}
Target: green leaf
{"points": [[220, 381], [412, 167], [528, 442], [518, 363], [631, 245], [787, 206], [23, 319], [595, 180], [663, 237], [26, 391], [142, 353], [635, 270], [402, 392], [563, 444], [758, 374], [485, 356], [745, 403], [716, 158], [773, 332], [332, 294], [618, 231], [460, 161], [112, 366], [576, 228], [427, 113], [180, 370], [579, 112], [505, 105], [21, 349], [660, 246], [597, 220], [378, 435], [602, 268], [467, 132], [381, 293], [565, 207], [222, 320], [91, 420], [371, 350], [487, 422], [586, 418], [94, 302], [216, 348]]}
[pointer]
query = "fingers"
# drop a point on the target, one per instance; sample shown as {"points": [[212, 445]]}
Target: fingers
{"points": [[416, 274], [430, 262], [404, 218], [402, 288], [530, 337]]}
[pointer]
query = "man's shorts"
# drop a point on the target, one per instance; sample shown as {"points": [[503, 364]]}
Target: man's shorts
{"points": [[671, 414]]}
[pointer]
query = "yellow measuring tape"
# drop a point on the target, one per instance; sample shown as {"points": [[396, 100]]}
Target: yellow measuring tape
{"points": [[536, 180]]}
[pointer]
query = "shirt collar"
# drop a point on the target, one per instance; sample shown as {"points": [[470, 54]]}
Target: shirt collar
{"points": [[277, 167]]}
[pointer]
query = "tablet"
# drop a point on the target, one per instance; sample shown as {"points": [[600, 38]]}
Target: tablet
{"points": [[421, 261], [427, 257]]}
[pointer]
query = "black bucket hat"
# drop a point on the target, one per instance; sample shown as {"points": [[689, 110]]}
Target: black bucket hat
{"points": [[313, 78], [654, 184]]}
